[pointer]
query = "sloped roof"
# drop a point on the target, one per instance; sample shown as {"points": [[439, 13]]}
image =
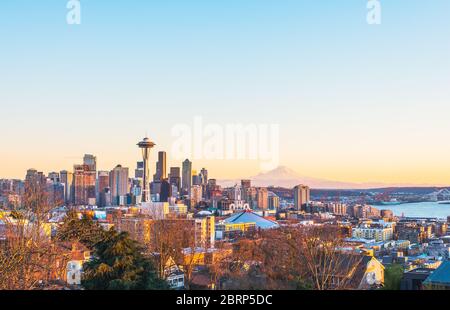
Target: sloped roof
{"points": [[440, 276], [251, 217]]}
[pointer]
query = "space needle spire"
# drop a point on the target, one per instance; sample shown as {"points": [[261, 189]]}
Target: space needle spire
{"points": [[146, 145]]}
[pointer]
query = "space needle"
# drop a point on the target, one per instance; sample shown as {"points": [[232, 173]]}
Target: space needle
{"points": [[146, 145]]}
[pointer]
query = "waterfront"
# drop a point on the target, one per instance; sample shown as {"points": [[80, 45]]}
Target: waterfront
{"points": [[420, 209]]}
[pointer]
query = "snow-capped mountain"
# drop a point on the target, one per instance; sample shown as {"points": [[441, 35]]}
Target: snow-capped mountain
{"points": [[288, 178]]}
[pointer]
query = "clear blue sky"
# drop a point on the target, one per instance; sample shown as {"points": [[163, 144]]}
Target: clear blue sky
{"points": [[354, 102]]}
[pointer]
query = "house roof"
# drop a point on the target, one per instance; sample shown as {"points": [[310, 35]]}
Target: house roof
{"points": [[251, 217], [440, 276]]}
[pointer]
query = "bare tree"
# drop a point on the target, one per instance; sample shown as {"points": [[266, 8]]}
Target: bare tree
{"points": [[165, 241], [292, 258], [27, 256], [326, 265]]}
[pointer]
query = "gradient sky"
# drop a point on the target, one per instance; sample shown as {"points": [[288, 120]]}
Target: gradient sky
{"points": [[354, 102]]}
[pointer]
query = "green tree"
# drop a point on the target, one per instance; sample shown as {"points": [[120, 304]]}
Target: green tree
{"points": [[119, 264], [83, 230], [393, 275]]}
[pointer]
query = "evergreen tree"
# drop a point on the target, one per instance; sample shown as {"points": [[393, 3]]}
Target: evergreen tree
{"points": [[393, 275], [83, 230], [120, 265]]}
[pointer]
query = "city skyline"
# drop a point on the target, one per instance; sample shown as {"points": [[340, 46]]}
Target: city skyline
{"points": [[366, 104], [235, 148], [281, 176]]}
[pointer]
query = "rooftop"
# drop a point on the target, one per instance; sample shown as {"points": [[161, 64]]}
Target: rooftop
{"points": [[251, 217], [440, 276]]}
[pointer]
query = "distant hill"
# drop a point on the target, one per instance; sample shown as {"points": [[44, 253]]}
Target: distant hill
{"points": [[288, 178]]}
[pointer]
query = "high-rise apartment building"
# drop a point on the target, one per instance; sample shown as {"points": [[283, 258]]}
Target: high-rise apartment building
{"points": [[274, 201], [301, 196], [262, 196]]}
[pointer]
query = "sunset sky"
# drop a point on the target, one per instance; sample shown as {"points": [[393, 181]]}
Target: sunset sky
{"points": [[354, 102]]}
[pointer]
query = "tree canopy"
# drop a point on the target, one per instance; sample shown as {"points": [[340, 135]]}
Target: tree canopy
{"points": [[119, 264]]}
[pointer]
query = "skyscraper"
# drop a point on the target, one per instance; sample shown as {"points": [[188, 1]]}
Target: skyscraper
{"points": [[187, 177], [146, 145], [175, 177], [91, 161], [196, 178], [166, 191], [67, 180], [161, 166], [103, 180], [119, 185], [301, 196], [54, 177], [204, 176], [139, 171], [103, 189], [84, 185]]}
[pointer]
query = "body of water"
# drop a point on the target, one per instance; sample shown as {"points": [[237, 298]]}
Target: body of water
{"points": [[420, 209]]}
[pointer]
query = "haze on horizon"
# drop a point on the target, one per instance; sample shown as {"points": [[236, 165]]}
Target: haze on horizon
{"points": [[355, 103]]}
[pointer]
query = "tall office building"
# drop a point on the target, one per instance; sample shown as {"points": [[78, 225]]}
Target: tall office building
{"points": [[166, 191], [118, 179], [204, 176], [91, 161], [103, 189], [263, 198], [175, 177], [103, 181], [84, 185], [136, 191], [54, 177], [196, 178], [187, 177], [66, 179], [55, 191], [161, 166], [34, 177], [139, 171], [301, 196]]}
